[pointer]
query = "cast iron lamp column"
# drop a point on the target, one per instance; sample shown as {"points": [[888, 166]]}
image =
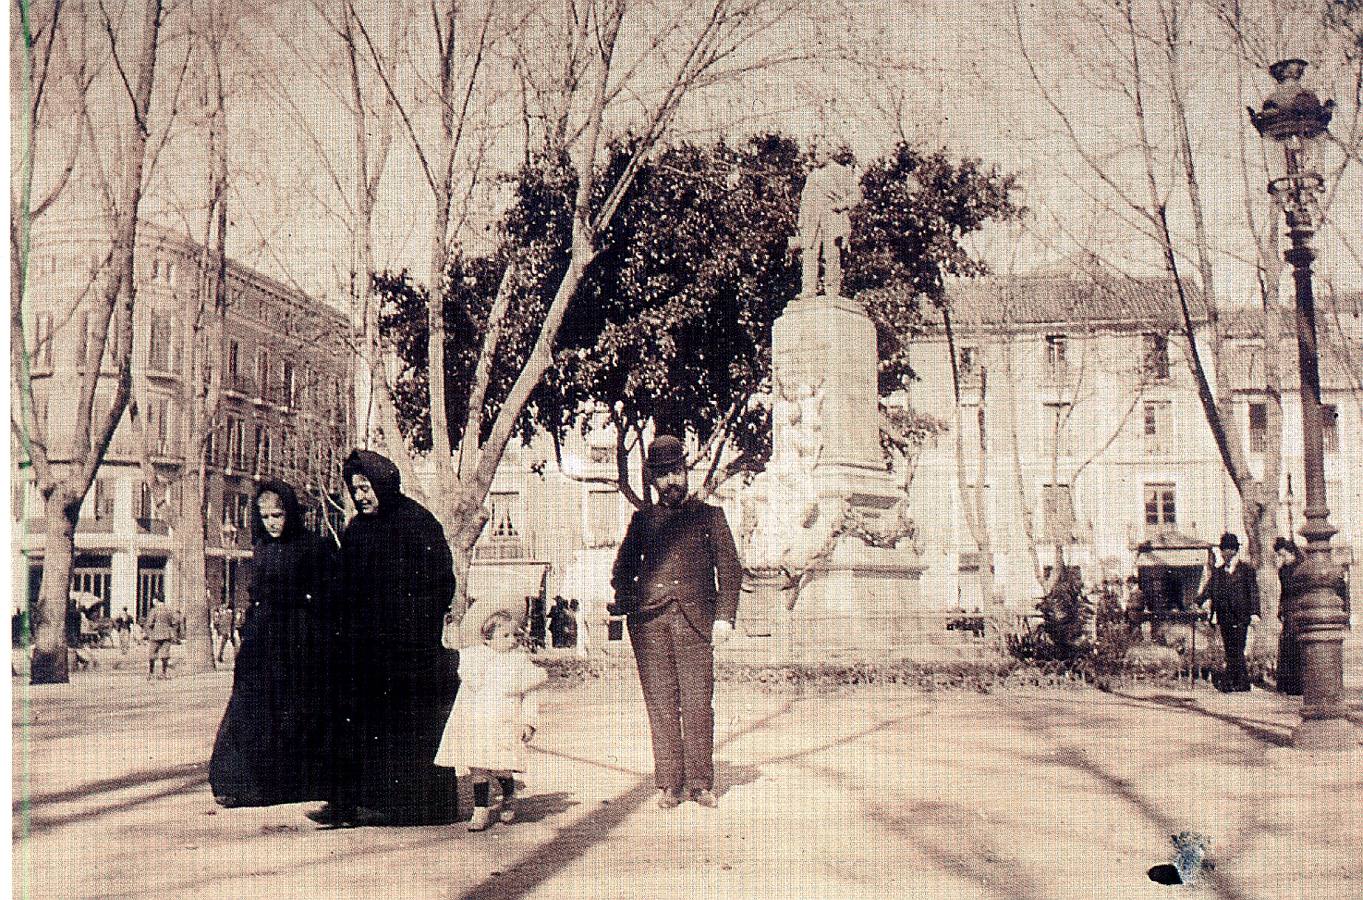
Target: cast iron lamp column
{"points": [[1295, 118]]}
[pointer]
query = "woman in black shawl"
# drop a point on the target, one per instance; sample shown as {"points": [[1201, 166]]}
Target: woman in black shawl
{"points": [[274, 744], [398, 580]]}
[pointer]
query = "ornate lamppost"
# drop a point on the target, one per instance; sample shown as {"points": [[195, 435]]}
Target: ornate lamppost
{"points": [[1294, 118]]}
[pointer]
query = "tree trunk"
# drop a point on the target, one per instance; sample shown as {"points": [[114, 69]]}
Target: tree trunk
{"points": [[189, 569], [49, 619], [463, 562]]}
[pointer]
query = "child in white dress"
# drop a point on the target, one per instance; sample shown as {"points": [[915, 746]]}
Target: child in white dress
{"points": [[494, 716]]}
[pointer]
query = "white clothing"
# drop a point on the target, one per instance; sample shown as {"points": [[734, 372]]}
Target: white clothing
{"points": [[496, 700]]}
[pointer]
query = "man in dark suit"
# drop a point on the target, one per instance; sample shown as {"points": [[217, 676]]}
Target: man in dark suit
{"points": [[1234, 591], [677, 578]]}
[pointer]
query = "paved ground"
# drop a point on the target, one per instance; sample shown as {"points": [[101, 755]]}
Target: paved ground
{"points": [[870, 793]]}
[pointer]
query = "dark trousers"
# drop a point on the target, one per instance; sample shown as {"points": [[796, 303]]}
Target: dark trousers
{"points": [[1233, 637], [224, 640], [677, 674], [1289, 660]]}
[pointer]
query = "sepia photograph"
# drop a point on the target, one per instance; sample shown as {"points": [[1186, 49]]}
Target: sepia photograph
{"points": [[496, 449]]}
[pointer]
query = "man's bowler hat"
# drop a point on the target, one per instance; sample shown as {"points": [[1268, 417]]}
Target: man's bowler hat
{"points": [[1230, 542], [665, 454]]}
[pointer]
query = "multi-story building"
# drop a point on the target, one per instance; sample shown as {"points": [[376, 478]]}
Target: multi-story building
{"points": [[282, 363], [1095, 441]]}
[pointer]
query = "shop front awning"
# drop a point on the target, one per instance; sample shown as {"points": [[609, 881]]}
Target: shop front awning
{"points": [[1173, 549]]}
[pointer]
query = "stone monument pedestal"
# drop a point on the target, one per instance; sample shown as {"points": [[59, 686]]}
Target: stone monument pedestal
{"points": [[861, 594]]}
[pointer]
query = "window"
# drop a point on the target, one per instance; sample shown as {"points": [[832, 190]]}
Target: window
{"points": [[1158, 426], [1056, 424], [160, 335], [158, 425], [233, 359], [263, 374], [1329, 427], [286, 460], [1156, 358], [502, 524], [262, 452], [1159, 505], [968, 363], [1057, 503], [104, 500], [236, 443], [146, 504], [1258, 427], [1056, 363], [304, 380], [286, 383]]}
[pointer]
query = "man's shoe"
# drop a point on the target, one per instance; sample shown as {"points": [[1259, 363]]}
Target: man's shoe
{"points": [[669, 799], [706, 798], [482, 818]]}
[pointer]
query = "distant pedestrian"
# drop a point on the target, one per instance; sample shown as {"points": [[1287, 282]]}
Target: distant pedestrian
{"points": [[1289, 649], [494, 715], [1234, 591], [225, 624], [535, 611], [276, 742], [123, 626], [162, 628], [558, 622]]}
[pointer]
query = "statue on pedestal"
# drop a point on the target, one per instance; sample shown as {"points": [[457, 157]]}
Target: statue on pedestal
{"points": [[831, 190]]}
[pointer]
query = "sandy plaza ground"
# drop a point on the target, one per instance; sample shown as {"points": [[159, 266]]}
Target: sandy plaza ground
{"points": [[860, 792]]}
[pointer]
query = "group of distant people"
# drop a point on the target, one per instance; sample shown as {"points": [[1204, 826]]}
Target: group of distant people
{"points": [[1231, 585], [345, 692]]}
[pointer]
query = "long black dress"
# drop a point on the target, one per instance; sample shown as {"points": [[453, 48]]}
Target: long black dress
{"points": [[398, 581], [275, 743]]}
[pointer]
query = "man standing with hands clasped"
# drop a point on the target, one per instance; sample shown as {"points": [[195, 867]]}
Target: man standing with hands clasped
{"points": [[677, 578]]}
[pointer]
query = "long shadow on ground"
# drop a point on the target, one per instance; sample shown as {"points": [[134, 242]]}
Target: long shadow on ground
{"points": [[1222, 885], [572, 841]]}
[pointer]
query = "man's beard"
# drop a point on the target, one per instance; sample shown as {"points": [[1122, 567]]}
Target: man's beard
{"points": [[672, 496]]}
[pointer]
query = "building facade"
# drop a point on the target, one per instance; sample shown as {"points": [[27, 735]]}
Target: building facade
{"points": [[282, 365], [1095, 445]]}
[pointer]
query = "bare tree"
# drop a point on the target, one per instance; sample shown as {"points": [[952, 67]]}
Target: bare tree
{"points": [[1140, 53], [65, 469], [592, 76]]}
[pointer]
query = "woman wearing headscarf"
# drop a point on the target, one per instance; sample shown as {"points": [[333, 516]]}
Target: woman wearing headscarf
{"points": [[275, 742], [398, 580], [1289, 648]]}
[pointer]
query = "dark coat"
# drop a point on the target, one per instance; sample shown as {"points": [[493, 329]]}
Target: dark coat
{"points": [[686, 555], [399, 579], [276, 741], [1234, 594]]}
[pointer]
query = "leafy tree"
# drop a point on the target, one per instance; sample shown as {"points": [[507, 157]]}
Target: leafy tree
{"points": [[673, 320], [906, 239]]}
